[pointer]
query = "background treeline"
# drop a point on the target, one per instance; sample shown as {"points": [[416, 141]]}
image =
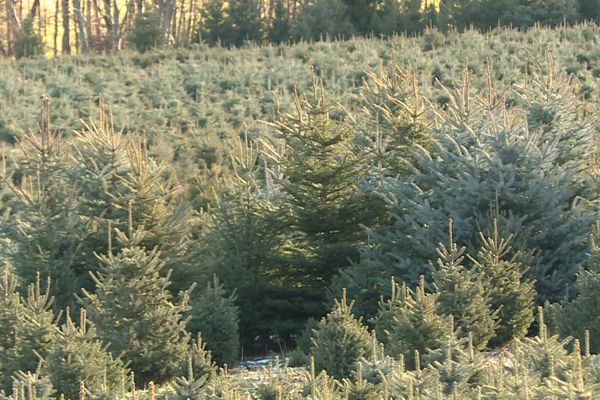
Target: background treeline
{"points": [[167, 212], [82, 26]]}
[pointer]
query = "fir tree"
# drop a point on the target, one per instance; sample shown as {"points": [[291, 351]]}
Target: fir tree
{"points": [[279, 31], [509, 291], [190, 387], [321, 205], [215, 25], [474, 166], [340, 341], [46, 228], [323, 18], [147, 32], [31, 386], [386, 19], [27, 327], [134, 312], [113, 171], [409, 322], [28, 42], [202, 363], [463, 294], [76, 356], [215, 316], [35, 329], [245, 21], [10, 311], [582, 314], [457, 364]]}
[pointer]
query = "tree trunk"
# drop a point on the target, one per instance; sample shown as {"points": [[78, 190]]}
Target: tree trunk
{"points": [[55, 36], [81, 23], [88, 27], [34, 10], [66, 39], [14, 22]]}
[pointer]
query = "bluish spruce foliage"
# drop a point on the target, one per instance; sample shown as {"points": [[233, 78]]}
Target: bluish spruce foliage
{"points": [[521, 157]]}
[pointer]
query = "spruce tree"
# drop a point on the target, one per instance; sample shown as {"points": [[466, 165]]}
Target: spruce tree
{"points": [[457, 364], [36, 329], [575, 317], [77, 355], [323, 18], [279, 31], [215, 317], [320, 205], [28, 42], [245, 22], [386, 19], [340, 341], [202, 363], [134, 312], [474, 166], [215, 25], [509, 291], [45, 228], [10, 311], [463, 294], [27, 326], [113, 171], [409, 322], [31, 386]]}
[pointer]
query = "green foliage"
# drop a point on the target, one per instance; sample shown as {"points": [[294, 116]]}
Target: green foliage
{"points": [[463, 294], [77, 355], [580, 315], [538, 158], [317, 169], [201, 359], [509, 292], [134, 312], [409, 323], [147, 32], [31, 386], [245, 22], [216, 317], [28, 42], [279, 31], [190, 387], [215, 25], [27, 326], [340, 341], [323, 18]]}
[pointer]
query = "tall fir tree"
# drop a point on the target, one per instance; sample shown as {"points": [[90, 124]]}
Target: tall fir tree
{"points": [[45, 230], [114, 171], [133, 309], [322, 206], [323, 19]]}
